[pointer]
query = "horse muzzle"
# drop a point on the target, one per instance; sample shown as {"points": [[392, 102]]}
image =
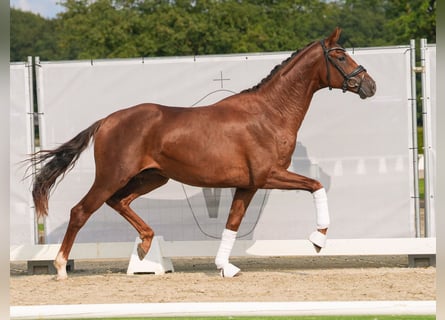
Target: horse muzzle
{"points": [[363, 85]]}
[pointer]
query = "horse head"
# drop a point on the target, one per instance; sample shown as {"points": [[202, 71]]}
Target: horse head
{"points": [[341, 71]]}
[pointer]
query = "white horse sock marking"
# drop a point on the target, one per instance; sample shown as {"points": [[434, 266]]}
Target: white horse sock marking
{"points": [[222, 257], [321, 204], [60, 264]]}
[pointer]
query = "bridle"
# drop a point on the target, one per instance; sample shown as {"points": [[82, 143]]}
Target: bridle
{"points": [[349, 80]]}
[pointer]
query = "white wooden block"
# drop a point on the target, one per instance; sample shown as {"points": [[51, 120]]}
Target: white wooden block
{"points": [[153, 263], [339, 247]]}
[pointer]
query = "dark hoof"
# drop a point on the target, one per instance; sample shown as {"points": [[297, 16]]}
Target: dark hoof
{"points": [[317, 248], [141, 252]]}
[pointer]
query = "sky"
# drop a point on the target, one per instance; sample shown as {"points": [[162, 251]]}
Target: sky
{"points": [[46, 8]]}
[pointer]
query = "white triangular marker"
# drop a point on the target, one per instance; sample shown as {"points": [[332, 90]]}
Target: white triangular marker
{"points": [[153, 263]]}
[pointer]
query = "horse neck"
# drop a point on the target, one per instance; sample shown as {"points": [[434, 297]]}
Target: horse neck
{"points": [[290, 91]]}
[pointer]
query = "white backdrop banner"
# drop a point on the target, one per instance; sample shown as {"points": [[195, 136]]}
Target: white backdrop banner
{"points": [[359, 149], [22, 224]]}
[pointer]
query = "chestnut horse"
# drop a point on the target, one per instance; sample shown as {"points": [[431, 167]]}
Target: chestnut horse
{"points": [[244, 141]]}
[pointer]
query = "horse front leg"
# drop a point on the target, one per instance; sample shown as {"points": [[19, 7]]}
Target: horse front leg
{"points": [[241, 201], [283, 179]]}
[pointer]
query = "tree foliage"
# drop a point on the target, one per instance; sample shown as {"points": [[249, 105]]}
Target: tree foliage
{"points": [[134, 28], [30, 33]]}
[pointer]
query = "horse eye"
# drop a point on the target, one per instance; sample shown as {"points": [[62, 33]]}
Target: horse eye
{"points": [[342, 58]]}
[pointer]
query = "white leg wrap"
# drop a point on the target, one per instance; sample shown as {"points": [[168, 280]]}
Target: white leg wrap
{"points": [[321, 204], [318, 238], [222, 257]]}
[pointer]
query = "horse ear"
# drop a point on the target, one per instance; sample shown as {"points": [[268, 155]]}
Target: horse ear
{"points": [[333, 38]]}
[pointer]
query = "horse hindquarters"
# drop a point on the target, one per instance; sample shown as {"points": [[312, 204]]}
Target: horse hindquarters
{"points": [[114, 168]]}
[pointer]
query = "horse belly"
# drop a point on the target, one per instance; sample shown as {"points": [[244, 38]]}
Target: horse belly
{"points": [[199, 166]]}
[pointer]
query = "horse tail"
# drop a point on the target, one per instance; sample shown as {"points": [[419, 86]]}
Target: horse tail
{"points": [[54, 163]]}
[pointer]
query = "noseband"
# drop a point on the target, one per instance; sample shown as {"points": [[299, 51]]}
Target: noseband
{"points": [[348, 78]]}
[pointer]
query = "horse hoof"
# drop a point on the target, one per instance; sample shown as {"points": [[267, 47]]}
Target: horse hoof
{"points": [[229, 271], [141, 252], [318, 239], [61, 277]]}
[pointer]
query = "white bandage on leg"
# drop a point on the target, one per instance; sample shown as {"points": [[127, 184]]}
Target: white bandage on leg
{"points": [[321, 204], [222, 257], [318, 239], [227, 240]]}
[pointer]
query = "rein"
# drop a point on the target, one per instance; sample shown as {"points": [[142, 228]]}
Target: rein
{"points": [[349, 80]]}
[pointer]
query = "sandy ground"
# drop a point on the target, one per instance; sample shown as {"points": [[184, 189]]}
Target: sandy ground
{"points": [[262, 279]]}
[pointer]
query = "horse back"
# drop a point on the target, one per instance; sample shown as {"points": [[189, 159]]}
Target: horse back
{"points": [[202, 146]]}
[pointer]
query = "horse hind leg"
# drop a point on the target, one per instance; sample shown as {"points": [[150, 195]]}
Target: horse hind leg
{"points": [[80, 213], [142, 183]]}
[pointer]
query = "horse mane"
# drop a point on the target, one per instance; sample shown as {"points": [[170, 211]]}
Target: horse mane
{"points": [[277, 68]]}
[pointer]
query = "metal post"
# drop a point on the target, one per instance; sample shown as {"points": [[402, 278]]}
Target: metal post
{"points": [[426, 142], [41, 223], [414, 137], [32, 119], [32, 123]]}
